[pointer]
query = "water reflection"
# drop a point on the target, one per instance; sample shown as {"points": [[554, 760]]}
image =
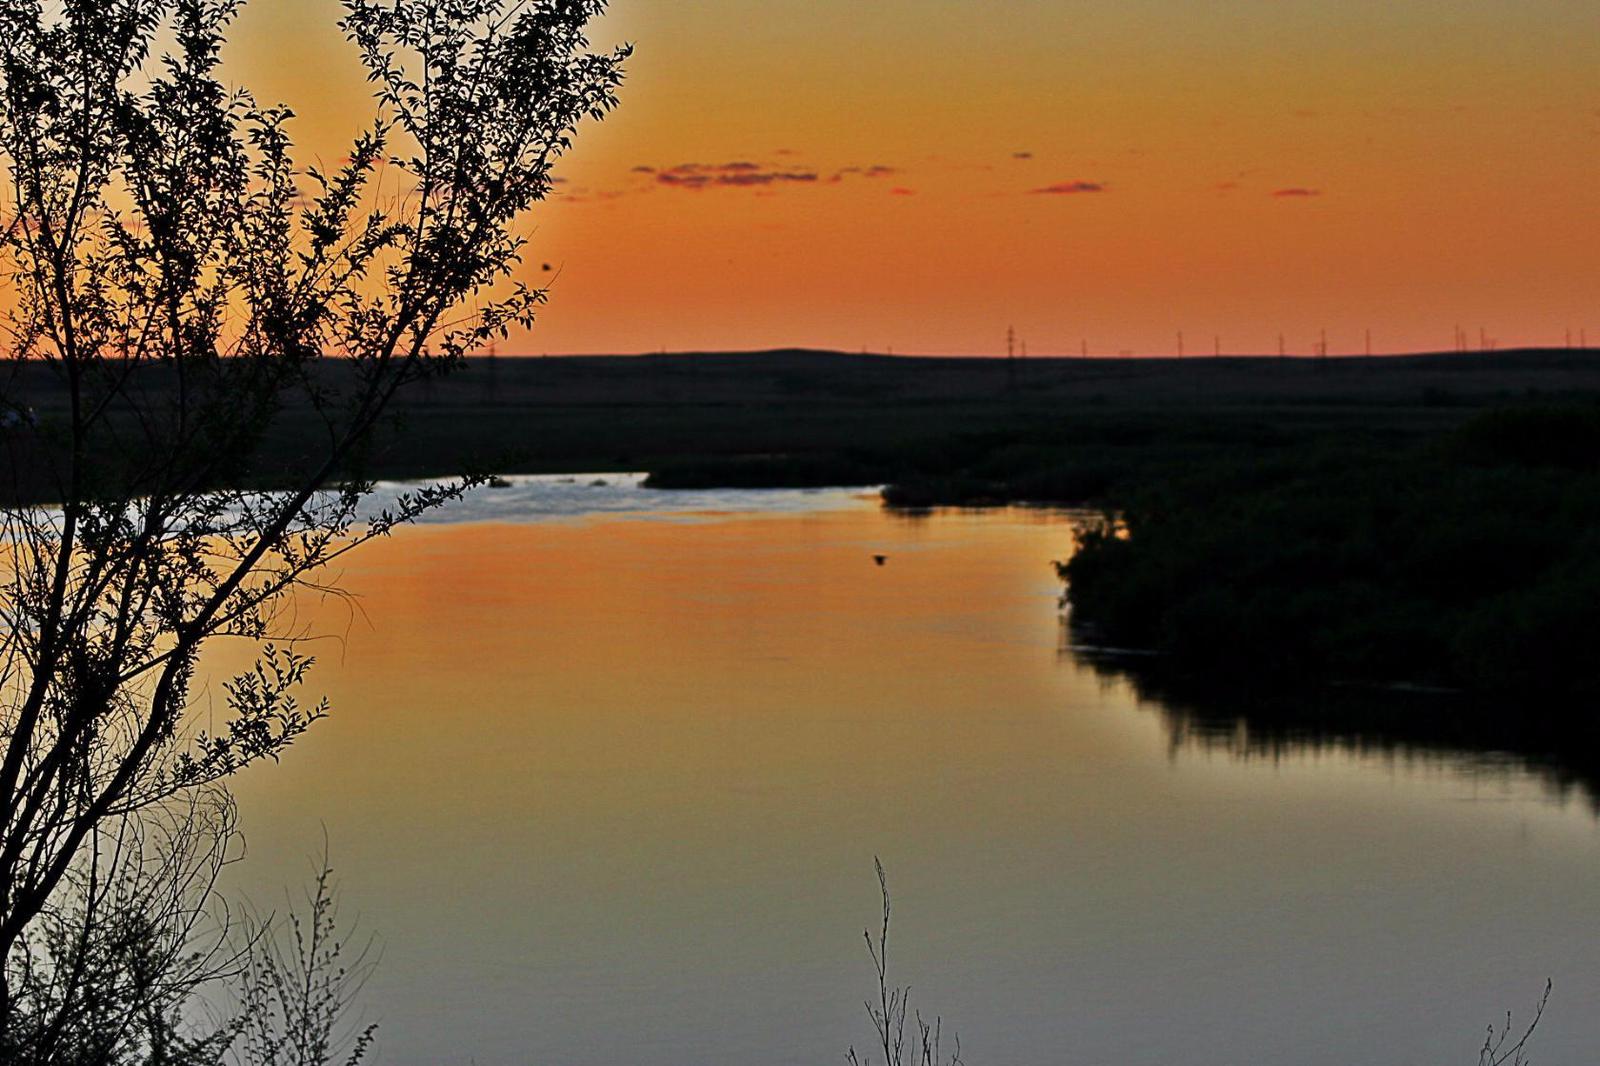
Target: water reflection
{"points": [[1401, 729], [610, 790]]}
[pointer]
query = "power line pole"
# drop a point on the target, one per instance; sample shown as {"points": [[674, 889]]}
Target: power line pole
{"points": [[1011, 358]]}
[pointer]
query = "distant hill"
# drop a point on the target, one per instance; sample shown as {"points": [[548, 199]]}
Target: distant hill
{"points": [[821, 376], [813, 416]]}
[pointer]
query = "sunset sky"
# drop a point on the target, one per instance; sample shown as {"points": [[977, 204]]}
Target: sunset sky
{"points": [[921, 174]]}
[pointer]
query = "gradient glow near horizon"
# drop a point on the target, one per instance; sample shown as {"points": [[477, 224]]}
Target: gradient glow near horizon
{"points": [[920, 175]]}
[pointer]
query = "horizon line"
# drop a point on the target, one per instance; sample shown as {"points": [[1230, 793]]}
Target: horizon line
{"points": [[1001, 357]]}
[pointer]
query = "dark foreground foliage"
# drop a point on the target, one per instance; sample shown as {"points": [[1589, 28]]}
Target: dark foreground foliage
{"points": [[1467, 560], [176, 291]]}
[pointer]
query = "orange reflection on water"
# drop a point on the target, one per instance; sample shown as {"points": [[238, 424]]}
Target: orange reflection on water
{"points": [[610, 791]]}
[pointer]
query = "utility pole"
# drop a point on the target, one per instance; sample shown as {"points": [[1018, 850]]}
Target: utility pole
{"points": [[1216, 346], [1011, 358], [1085, 344], [491, 384], [1322, 346]]}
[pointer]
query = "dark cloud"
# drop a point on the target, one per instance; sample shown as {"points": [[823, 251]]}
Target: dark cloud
{"points": [[1295, 193], [735, 175], [745, 173], [1068, 188], [877, 170], [738, 167], [1021, 155], [767, 177], [684, 181]]}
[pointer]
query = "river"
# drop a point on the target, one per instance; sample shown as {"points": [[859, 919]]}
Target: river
{"points": [[607, 771]]}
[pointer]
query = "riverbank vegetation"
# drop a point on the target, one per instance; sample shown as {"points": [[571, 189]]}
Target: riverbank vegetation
{"points": [[1467, 559]]}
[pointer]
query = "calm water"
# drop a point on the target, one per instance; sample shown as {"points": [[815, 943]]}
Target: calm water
{"points": [[609, 788]]}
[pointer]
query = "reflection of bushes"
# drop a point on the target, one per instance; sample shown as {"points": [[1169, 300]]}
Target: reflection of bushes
{"points": [[1472, 561]]}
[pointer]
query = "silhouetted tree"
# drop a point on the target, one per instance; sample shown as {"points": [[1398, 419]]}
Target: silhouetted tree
{"points": [[172, 283]]}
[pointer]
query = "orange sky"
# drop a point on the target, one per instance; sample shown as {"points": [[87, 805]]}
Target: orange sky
{"points": [[1452, 147]]}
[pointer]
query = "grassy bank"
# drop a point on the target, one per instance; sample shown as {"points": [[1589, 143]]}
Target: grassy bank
{"points": [[942, 431]]}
